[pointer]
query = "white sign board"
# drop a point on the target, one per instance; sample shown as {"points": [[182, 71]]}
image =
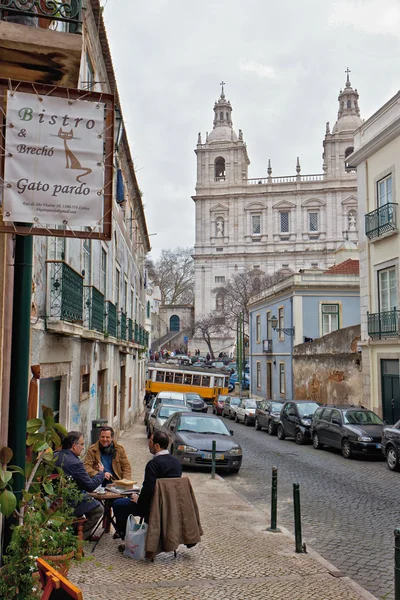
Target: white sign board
{"points": [[54, 171]]}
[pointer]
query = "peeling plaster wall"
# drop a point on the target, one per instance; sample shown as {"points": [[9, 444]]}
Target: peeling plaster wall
{"points": [[328, 370]]}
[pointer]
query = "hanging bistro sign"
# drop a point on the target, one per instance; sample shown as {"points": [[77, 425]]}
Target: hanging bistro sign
{"points": [[58, 161]]}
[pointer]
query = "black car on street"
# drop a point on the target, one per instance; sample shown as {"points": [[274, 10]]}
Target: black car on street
{"points": [[391, 445], [267, 415], [295, 420], [351, 429]]}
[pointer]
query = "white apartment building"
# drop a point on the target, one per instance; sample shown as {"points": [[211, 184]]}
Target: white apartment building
{"points": [[377, 158]]}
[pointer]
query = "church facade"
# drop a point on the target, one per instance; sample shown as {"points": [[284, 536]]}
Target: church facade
{"points": [[272, 224]]}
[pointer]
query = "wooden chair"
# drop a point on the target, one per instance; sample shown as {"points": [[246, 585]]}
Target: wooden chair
{"points": [[54, 585], [78, 525]]}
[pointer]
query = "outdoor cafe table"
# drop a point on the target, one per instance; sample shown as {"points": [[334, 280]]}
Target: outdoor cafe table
{"points": [[106, 499]]}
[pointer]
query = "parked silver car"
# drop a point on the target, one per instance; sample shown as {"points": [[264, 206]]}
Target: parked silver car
{"points": [[246, 411], [230, 406], [161, 414]]}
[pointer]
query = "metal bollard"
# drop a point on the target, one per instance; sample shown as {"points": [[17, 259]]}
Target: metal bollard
{"points": [[300, 547], [397, 564], [274, 501], [213, 458]]}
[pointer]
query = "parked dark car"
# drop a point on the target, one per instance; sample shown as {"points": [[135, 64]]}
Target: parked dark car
{"points": [[352, 429], [192, 435], [391, 445], [230, 405], [295, 420], [196, 402], [267, 415]]}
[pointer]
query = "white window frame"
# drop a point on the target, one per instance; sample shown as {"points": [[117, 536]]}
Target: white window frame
{"points": [[117, 285], [282, 379], [103, 272], [384, 195], [329, 314], [258, 375], [219, 279], [281, 322], [317, 213], [87, 260], [284, 212], [391, 288], [258, 328]]}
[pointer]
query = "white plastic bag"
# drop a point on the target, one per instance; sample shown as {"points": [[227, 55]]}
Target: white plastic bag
{"points": [[135, 539]]}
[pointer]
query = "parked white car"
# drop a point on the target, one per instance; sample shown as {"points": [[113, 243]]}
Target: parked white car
{"points": [[246, 411]]}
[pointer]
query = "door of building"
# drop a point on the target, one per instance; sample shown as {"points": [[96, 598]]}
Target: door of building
{"points": [[101, 398], [390, 390], [269, 380], [123, 397], [49, 396]]}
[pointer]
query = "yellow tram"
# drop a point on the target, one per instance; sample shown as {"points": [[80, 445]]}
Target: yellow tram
{"points": [[208, 383]]}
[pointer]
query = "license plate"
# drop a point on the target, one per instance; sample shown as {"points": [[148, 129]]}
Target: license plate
{"points": [[208, 456], [379, 446]]}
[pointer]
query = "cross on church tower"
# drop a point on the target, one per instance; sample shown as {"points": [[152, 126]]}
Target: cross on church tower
{"points": [[222, 90], [348, 78]]}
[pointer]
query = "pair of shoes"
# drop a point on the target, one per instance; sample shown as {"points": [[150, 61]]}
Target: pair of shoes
{"points": [[121, 547], [116, 536], [94, 538]]}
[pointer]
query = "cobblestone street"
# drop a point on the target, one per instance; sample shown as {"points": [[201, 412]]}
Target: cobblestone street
{"points": [[237, 559], [349, 507]]}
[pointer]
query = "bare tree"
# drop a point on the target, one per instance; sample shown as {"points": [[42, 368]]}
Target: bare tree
{"points": [[234, 296], [173, 272], [210, 325]]}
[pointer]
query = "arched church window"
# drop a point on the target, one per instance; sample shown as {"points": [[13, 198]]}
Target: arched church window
{"points": [[352, 220], [219, 302], [348, 103], [256, 285], [219, 168], [221, 116], [347, 153], [219, 227], [227, 116]]}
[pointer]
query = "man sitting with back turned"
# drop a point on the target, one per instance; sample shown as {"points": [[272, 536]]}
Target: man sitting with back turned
{"points": [[161, 466], [68, 459], [110, 454]]}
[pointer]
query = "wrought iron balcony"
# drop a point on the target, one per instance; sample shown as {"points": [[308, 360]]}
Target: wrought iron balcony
{"points": [[383, 324], [111, 319], [130, 330], [122, 325], [381, 221], [66, 292], [41, 13], [94, 308]]}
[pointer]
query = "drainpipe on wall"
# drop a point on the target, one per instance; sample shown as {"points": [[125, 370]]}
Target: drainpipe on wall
{"points": [[292, 344]]}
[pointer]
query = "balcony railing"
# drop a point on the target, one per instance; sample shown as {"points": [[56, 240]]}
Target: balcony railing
{"points": [[40, 13], [381, 221], [94, 308], [121, 325], [383, 324], [66, 292], [111, 319], [130, 330]]}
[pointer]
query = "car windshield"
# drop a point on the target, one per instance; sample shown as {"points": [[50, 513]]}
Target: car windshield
{"points": [[174, 401], [202, 425], [307, 409], [235, 401], [193, 397], [167, 411], [251, 404], [276, 407], [362, 417]]}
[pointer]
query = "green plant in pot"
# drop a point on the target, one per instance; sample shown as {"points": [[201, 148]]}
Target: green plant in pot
{"points": [[45, 511]]}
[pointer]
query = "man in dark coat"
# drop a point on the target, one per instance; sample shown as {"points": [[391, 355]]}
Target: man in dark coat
{"points": [[162, 465], [68, 459]]}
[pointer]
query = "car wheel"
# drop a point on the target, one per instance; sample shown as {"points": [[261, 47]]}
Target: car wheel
{"points": [[316, 443], [346, 448], [230, 416], [392, 459], [280, 433], [257, 424], [271, 428], [213, 411], [246, 420], [236, 419], [235, 470], [299, 437]]}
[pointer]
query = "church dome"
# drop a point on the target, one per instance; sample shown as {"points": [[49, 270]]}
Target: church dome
{"points": [[222, 134], [347, 123]]}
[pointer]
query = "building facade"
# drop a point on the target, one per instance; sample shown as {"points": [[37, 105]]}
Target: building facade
{"points": [[276, 224], [376, 157], [299, 309], [88, 337]]}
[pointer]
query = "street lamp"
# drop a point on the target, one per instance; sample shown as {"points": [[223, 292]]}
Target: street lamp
{"points": [[284, 330]]}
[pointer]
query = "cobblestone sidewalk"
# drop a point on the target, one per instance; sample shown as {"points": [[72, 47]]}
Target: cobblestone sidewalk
{"points": [[236, 560]]}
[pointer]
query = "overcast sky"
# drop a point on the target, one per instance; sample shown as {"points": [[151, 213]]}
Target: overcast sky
{"points": [[283, 63]]}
